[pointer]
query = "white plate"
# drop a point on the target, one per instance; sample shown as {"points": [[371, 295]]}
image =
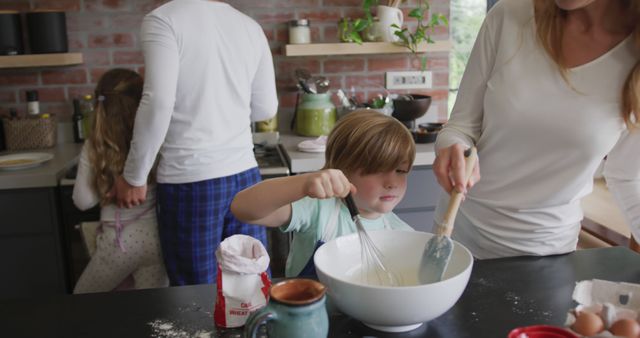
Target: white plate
{"points": [[313, 146], [23, 160]]}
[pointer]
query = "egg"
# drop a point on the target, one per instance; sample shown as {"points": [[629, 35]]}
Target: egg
{"points": [[588, 324], [628, 328]]}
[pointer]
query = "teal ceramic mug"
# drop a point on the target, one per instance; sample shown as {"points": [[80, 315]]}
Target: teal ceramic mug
{"points": [[296, 309]]}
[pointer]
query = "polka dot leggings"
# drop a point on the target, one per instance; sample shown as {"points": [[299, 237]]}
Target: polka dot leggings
{"points": [[110, 265]]}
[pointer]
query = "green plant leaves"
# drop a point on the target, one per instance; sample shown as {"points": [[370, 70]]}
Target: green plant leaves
{"points": [[412, 39]]}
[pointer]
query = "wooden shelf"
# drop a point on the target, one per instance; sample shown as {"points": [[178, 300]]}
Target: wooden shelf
{"points": [[345, 48], [40, 60]]}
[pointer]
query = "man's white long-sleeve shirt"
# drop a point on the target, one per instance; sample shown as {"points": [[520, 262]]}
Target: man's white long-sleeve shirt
{"points": [[539, 140], [208, 74]]}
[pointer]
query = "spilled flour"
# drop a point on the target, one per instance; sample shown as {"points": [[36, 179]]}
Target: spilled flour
{"points": [[167, 329], [526, 307]]}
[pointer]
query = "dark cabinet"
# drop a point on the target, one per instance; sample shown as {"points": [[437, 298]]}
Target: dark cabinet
{"points": [[31, 253], [419, 203], [76, 255]]}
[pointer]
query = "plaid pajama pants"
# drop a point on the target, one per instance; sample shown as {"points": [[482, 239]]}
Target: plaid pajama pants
{"points": [[193, 218]]}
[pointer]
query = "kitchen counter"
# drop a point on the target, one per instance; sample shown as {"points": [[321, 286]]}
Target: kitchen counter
{"points": [[502, 294], [46, 175], [301, 162], [66, 156]]}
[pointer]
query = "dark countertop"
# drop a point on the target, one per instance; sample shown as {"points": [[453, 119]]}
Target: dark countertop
{"points": [[501, 295]]}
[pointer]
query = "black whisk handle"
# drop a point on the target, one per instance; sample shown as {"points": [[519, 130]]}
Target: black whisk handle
{"points": [[351, 205]]}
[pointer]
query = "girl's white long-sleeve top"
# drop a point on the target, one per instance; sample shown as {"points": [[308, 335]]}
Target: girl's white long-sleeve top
{"points": [[539, 140], [85, 195], [208, 74]]}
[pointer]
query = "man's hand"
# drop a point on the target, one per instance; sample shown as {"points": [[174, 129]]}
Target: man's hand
{"points": [[126, 195]]}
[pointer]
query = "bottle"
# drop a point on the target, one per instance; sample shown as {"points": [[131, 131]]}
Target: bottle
{"points": [[78, 122], [87, 113], [33, 106], [299, 31]]}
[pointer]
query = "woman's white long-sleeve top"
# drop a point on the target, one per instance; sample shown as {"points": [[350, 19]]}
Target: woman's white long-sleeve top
{"points": [[539, 140]]}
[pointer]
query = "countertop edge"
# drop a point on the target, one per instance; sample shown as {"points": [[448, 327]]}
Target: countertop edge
{"points": [[301, 162], [46, 175]]}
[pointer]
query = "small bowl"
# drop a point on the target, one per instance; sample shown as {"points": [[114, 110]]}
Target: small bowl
{"points": [[431, 126], [409, 110], [541, 331], [424, 136], [391, 308]]}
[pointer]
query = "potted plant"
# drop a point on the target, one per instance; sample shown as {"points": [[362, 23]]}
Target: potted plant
{"points": [[410, 39]]}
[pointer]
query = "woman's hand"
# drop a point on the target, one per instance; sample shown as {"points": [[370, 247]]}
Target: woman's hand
{"points": [[327, 183], [449, 168]]}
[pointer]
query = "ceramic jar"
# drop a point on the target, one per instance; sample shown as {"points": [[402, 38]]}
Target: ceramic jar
{"points": [[315, 115], [296, 309]]}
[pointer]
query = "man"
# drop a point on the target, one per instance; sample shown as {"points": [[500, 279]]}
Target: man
{"points": [[208, 74]]}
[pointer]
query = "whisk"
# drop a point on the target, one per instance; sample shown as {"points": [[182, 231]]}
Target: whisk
{"points": [[374, 271]]}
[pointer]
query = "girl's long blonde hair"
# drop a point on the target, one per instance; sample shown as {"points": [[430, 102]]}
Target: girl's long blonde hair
{"points": [[117, 94], [549, 22]]}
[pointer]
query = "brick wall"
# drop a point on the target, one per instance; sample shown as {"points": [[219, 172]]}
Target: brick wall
{"points": [[106, 32]]}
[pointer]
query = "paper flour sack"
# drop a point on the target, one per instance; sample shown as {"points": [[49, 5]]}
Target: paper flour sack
{"points": [[243, 283]]}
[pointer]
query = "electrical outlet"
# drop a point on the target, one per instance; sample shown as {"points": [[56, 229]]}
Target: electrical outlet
{"points": [[408, 80]]}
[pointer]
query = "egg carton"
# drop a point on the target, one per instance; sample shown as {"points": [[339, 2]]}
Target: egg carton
{"points": [[611, 301]]}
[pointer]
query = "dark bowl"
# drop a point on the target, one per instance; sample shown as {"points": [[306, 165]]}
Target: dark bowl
{"points": [[423, 136], [431, 126], [408, 110]]}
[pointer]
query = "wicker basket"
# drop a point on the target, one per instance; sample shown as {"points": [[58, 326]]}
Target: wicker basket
{"points": [[30, 133]]}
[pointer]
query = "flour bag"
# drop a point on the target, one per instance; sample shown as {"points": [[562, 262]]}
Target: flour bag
{"points": [[243, 283]]}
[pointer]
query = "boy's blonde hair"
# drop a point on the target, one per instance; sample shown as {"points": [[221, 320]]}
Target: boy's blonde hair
{"points": [[369, 142], [117, 94]]}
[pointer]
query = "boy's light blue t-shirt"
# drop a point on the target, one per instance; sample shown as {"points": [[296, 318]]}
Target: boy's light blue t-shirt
{"points": [[310, 216]]}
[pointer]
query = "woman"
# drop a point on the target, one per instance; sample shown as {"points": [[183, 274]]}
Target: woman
{"points": [[549, 91]]}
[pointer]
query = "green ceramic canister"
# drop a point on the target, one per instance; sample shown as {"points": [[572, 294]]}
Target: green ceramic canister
{"points": [[316, 115]]}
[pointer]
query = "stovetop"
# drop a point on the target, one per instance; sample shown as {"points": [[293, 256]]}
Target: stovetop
{"points": [[271, 160]]}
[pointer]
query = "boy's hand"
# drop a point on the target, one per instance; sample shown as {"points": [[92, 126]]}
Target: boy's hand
{"points": [[327, 183]]}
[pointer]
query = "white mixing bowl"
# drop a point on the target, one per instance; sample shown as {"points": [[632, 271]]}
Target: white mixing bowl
{"points": [[391, 309]]}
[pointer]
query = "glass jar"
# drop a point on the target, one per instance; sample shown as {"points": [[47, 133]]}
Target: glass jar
{"points": [[299, 31], [315, 115], [269, 125]]}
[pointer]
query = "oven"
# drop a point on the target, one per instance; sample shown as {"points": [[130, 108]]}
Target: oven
{"points": [[271, 162]]}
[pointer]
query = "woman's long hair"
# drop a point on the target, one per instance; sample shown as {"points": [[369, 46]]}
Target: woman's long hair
{"points": [[549, 22], [117, 97]]}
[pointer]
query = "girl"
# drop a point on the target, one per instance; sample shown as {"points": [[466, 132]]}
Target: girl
{"points": [[128, 241], [369, 154]]}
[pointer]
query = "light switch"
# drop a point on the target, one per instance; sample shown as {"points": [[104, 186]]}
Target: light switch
{"points": [[408, 80]]}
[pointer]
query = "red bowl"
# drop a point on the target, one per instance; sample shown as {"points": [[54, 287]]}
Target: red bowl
{"points": [[541, 331]]}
